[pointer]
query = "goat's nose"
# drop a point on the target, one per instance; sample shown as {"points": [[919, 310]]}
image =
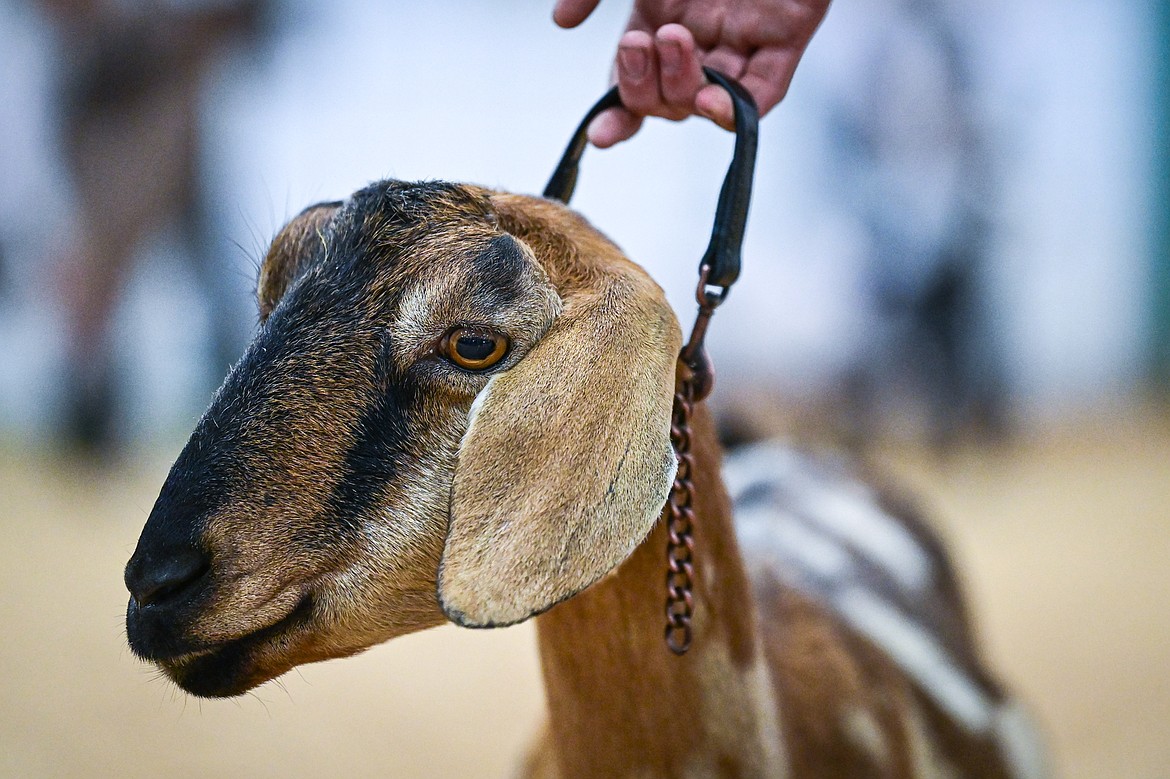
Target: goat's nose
{"points": [[157, 578]]}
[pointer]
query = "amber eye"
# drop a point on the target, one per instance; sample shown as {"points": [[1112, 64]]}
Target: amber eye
{"points": [[474, 350]]}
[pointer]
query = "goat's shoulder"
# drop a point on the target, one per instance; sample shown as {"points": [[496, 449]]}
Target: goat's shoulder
{"points": [[859, 600], [808, 522]]}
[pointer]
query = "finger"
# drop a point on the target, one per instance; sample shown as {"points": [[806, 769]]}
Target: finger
{"points": [[768, 76], [726, 60], [714, 103], [678, 63], [613, 126], [570, 13], [637, 71]]}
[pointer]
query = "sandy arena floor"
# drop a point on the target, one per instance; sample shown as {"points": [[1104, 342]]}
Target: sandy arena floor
{"points": [[1064, 541]]}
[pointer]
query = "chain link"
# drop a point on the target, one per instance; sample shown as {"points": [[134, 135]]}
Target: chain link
{"points": [[679, 515], [694, 384]]}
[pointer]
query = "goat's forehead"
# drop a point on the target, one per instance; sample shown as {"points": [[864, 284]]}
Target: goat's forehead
{"points": [[391, 214], [393, 234], [493, 269], [422, 201], [424, 251]]}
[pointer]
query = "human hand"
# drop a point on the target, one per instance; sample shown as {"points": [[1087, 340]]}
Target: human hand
{"points": [[659, 62]]}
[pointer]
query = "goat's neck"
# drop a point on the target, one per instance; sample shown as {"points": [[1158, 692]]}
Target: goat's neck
{"points": [[620, 703]]}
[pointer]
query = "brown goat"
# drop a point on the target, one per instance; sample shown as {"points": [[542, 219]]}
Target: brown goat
{"points": [[457, 407]]}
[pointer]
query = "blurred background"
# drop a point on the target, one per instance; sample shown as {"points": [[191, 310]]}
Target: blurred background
{"points": [[957, 266]]}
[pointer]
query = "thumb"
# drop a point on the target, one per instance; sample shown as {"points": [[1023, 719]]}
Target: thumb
{"points": [[570, 13], [715, 104]]}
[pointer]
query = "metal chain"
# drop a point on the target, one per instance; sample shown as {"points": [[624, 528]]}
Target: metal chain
{"points": [[694, 385], [679, 515]]}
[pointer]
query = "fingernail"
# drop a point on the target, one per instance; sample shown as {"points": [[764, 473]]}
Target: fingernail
{"points": [[633, 63], [670, 55]]}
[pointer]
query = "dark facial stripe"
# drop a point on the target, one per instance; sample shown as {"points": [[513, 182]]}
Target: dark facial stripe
{"points": [[380, 448]]}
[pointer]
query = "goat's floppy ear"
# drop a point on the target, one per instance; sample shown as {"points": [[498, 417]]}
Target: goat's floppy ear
{"points": [[567, 461], [291, 250]]}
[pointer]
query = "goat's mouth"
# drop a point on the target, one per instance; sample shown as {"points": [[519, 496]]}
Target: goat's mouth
{"points": [[236, 666]]}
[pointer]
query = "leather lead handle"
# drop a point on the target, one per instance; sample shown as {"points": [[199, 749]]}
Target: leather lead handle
{"points": [[722, 257], [564, 178]]}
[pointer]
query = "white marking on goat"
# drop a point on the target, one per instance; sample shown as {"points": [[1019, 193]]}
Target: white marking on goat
{"points": [[863, 729], [786, 539], [919, 655], [850, 512], [476, 405], [768, 717], [765, 463], [924, 758], [671, 472], [836, 503], [413, 309], [392, 536], [1019, 743], [746, 710]]}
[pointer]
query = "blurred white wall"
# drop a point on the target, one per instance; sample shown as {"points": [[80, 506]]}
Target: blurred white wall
{"points": [[352, 91]]}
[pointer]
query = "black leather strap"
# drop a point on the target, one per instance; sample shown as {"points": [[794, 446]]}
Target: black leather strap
{"points": [[722, 257], [564, 178]]}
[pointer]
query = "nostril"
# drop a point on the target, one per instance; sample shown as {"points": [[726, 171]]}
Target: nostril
{"points": [[155, 580]]}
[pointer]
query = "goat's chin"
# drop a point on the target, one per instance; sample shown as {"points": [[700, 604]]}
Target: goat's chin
{"points": [[304, 636], [233, 668], [219, 674]]}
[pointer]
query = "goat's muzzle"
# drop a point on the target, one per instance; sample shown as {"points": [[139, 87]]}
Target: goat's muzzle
{"points": [[167, 584], [167, 602], [155, 580], [181, 618]]}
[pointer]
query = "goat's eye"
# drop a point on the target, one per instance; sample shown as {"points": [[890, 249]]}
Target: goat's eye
{"points": [[474, 350]]}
